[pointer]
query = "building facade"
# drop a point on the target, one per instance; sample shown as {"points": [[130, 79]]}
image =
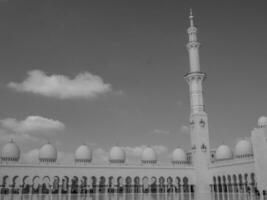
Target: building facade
{"points": [[201, 173]]}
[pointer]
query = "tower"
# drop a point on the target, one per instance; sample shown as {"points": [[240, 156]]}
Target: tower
{"points": [[198, 118]]}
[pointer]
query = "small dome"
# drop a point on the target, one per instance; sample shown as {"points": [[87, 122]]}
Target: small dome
{"points": [[262, 121], [10, 152], [116, 155], [243, 148], [149, 155], [179, 156], [83, 154], [223, 152], [48, 153]]}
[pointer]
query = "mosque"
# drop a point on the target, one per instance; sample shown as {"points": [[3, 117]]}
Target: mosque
{"points": [[201, 173]]}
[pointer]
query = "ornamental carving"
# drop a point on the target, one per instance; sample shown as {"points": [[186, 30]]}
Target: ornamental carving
{"points": [[203, 147], [202, 123], [192, 123], [193, 45]]}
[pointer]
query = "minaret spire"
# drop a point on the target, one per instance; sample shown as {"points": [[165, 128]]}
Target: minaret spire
{"points": [[193, 45], [195, 77], [191, 18]]}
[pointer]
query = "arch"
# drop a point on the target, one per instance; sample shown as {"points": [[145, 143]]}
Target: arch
{"points": [[169, 184], [120, 184], [35, 184], [128, 184], [45, 188], [246, 183], [252, 179], [246, 178], [177, 184], [111, 188], [240, 181], [229, 183], [169, 180], [102, 184], [65, 185], [234, 185], [185, 184], [4, 180], [26, 185], [74, 185], [14, 179], [15, 186], [136, 184], [55, 185], [161, 184], [83, 185], [5, 187], [93, 184], [153, 184], [145, 183], [93, 181]]}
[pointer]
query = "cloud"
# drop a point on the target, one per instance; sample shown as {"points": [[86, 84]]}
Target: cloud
{"points": [[161, 132], [22, 138], [32, 124], [185, 129], [137, 150], [31, 156], [101, 155], [65, 157], [84, 85]]}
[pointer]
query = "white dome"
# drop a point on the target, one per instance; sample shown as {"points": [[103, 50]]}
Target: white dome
{"points": [[243, 148], [223, 152], [48, 153], [262, 121], [83, 153], [116, 155], [149, 155], [178, 156], [10, 151]]}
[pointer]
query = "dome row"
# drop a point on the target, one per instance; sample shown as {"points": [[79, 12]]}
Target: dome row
{"points": [[242, 149], [48, 153]]}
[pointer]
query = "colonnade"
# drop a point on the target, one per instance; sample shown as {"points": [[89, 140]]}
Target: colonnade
{"points": [[96, 185], [236, 187]]}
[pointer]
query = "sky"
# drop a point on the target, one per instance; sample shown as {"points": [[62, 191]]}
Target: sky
{"points": [[111, 73]]}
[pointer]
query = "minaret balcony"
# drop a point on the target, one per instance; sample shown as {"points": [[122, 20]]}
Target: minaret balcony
{"points": [[191, 45]]}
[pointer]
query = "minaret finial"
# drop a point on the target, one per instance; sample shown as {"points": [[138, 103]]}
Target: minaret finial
{"points": [[191, 17]]}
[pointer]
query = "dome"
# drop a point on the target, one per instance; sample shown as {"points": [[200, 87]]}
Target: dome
{"points": [[243, 148], [178, 156], [223, 152], [48, 153], [262, 121], [116, 155], [10, 152], [149, 155], [83, 154]]}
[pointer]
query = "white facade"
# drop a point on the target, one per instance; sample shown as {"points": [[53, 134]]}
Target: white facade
{"points": [[200, 171]]}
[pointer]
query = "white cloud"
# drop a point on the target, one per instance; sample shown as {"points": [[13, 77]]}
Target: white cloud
{"points": [[21, 138], [65, 157], [100, 154], [31, 156], [84, 85], [161, 132], [137, 150], [185, 129], [31, 124]]}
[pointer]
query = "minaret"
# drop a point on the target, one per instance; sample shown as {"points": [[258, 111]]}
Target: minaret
{"points": [[195, 77], [198, 118]]}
